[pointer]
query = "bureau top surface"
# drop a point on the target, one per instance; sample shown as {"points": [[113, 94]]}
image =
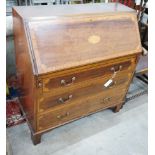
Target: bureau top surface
{"points": [[62, 42], [61, 10]]}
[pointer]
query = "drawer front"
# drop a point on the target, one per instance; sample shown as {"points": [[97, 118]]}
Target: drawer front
{"points": [[82, 108], [74, 95], [71, 79]]}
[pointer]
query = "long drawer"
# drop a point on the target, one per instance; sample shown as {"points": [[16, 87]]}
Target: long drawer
{"points": [[47, 102], [84, 107], [72, 79]]}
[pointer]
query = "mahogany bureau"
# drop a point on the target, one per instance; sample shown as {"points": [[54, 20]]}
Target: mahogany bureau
{"points": [[73, 60]]}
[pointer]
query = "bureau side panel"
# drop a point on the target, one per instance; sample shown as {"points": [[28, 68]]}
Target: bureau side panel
{"points": [[24, 67]]}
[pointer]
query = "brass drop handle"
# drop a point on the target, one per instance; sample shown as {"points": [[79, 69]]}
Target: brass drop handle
{"points": [[62, 116], [64, 83], [107, 99], [62, 100], [114, 69]]}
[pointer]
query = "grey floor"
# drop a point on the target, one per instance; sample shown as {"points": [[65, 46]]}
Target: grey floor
{"points": [[103, 133]]}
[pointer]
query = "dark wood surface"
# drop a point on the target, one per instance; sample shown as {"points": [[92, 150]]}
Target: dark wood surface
{"points": [[102, 100], [74, 95], [70, 58], [25, 70], [82, 76], [94, 34], [92, 43]]}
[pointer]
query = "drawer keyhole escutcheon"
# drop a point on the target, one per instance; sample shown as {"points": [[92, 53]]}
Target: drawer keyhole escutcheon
{"points": [[62, 116], [63, 100], [64, 83]]}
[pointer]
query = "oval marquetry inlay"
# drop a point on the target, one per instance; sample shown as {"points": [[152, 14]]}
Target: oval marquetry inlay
{"points": [[94, 39]]}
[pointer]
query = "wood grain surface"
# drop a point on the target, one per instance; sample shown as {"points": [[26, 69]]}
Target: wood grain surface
{"points": [[66, 55], [86, 40]]}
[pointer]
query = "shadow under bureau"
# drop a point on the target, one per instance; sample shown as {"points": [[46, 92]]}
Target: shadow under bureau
{"points": [[73, 60]]}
